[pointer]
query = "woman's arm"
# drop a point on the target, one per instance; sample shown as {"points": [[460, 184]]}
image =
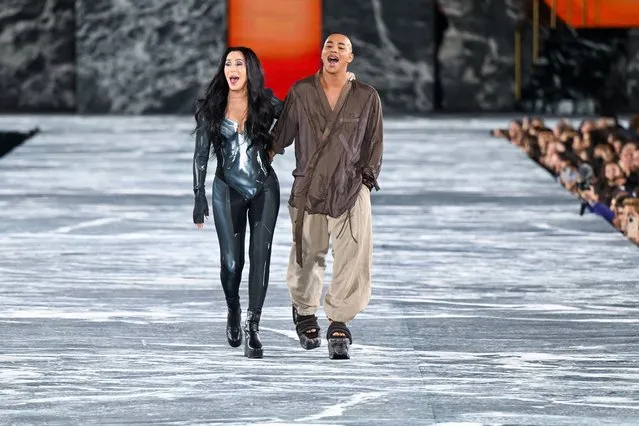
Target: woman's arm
{"points": [[200, 164], [201, 159], [278, 105]]}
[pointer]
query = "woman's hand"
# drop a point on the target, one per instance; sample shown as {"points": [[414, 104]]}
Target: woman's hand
{"points": [[589, 195], [350, 76], [200, 210]]}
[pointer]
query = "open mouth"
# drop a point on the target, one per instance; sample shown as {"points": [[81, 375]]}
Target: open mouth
{"points": [[333, 59], [234, 79]]}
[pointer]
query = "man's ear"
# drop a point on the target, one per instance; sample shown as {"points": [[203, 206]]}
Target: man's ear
{"points": [[351, 57]]}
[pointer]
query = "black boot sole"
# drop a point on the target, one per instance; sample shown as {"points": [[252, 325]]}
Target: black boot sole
{"points": [[338, 348], [234, 343], [253, 352], [309, 344]]}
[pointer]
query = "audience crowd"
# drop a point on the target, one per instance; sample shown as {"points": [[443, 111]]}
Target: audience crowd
{"points": [[597, 161]]}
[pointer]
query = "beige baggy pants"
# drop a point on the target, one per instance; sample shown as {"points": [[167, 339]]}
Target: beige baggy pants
{"points": [[350, 289]]}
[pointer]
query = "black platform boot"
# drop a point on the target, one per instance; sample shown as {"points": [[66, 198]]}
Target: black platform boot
{"points": [[252, 343], [233, 324]]}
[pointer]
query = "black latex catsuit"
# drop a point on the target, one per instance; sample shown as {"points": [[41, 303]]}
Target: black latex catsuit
{"points": [[245, 185]]}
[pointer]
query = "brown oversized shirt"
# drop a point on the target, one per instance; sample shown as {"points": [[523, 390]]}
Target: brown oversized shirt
{"points": [[336, 151]]}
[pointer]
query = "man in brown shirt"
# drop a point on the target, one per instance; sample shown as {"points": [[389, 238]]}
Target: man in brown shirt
{"points": [[337, 128]]}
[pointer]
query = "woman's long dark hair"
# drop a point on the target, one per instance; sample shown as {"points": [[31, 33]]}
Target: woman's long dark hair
{"points": [[211, 109]]}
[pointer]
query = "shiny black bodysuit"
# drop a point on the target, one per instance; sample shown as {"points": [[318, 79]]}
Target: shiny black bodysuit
{"points": [[245, 186]]}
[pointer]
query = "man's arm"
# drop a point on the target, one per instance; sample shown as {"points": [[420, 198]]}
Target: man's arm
{"points": [[374, 138], [287, 125]]}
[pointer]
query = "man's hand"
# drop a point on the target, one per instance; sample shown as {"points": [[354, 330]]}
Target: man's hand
{"points": [[271, 154]]}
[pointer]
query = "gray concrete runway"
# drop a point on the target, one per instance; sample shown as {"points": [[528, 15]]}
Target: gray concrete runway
{"points": [[493, 303]]}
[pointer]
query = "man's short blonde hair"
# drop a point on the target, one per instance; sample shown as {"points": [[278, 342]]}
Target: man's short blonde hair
{"points": [[633, 203]]}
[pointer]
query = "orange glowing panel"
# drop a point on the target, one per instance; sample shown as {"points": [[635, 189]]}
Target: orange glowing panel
{"points": [[599, 13], [285, 34]]}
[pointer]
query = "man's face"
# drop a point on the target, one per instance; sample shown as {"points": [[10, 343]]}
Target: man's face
{"points": [[632, 225], [337, 53], [635, 160], [624, 213], [626, 154]]}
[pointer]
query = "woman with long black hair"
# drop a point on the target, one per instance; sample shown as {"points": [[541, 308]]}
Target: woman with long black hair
{"points": [[233, 123]]}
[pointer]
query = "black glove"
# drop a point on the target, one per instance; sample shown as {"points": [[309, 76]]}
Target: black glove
{"points": [[201, 207]]}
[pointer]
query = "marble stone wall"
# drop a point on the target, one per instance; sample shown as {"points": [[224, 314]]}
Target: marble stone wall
{"points": [[394, 47], [147, 56], [477, 55], [632, 76], [156, 56], [37, 55]]}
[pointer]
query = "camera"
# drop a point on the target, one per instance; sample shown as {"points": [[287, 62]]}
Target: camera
{"points": [[584, 175]]}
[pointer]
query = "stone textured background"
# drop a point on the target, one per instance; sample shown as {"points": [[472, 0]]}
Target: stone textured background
{"points": [[156, 56], [37, 55], [147, 56], [477, 55], [394, 46], [633, 70]]}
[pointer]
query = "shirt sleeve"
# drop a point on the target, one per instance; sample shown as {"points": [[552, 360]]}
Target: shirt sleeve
{"points": [[286, 128], [374, 137], [602, 210]]}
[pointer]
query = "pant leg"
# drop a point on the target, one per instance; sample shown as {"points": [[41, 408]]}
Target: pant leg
{"points": [[229, 214], [305, 282], [262, 216], [352, 236]]}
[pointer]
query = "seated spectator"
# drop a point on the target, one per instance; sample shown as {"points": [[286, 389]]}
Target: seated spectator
{"points": [[633, 127], [597, 161], [631, 208]]}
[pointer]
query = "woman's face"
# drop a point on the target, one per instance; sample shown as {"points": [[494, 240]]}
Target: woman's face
{"points": [[617, 144], [627, 153], [576, 143], [616, 206], [608, 155], [603, 153], [586, 126], [612, 172], [235, 71], [514, 129]]}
